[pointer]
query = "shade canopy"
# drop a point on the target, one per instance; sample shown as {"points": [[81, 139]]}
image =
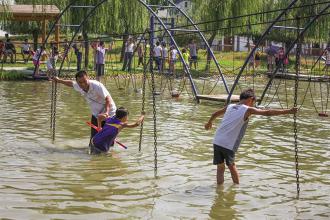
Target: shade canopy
{"points": [[31, 12]]}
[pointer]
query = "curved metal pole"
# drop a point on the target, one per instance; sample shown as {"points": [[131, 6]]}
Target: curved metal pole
{"points": [[51, 30], [77, 30], [318, 59], [206, 43], [176, 46], [291, 47], [255, 47]]}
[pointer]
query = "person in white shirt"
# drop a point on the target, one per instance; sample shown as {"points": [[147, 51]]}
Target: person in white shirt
{"points": [[129, 50], [26, 51], [95, 93], [100, 52], [327, 59], [164, 56], [232, 129], [158, 56], [172, 59]]}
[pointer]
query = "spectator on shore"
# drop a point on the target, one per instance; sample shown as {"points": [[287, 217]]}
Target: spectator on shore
{"points": [[193, 54], [327, 59], [172, 59], [9, 51], [2, 49], [257, 58], [157, 53], [164, 56], [128, 56], [271, 52], [78, 47], [140, 52], [26, 51], [281, 59]]}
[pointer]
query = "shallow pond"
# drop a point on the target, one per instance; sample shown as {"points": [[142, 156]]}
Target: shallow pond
{"points": [[44, 180]]}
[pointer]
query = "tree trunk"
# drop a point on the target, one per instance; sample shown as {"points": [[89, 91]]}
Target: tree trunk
{"points": [[209, 57], [125, 38], [35, 34], [86, 46]]}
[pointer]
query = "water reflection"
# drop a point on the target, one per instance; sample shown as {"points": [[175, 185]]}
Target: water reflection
{"points": [[224, 203]]}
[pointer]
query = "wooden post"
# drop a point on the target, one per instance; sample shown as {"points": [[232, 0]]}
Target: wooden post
{"points": [[43, 37], [57, 34]]}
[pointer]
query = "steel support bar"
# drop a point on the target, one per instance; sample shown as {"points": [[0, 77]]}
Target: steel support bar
{"points": [[288, 28], [255, 48], [205, 42], [186, 68], [290, 48], [184, 30], [161, 6], [82, 6]]}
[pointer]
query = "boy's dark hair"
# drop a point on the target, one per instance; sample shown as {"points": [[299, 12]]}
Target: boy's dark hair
{"points": [[247, 94], [157, 43], [121, 112], [184, 50], [101, 43], [80, 74]]}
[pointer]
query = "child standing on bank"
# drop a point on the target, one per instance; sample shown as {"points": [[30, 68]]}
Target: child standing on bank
{"points": [[186, 56], [232, 129], [105, 138]]}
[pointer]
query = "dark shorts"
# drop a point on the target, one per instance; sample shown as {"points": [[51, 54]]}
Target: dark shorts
{"points": [[222, 154], [100, 69], [26, 52], [194, 58]]}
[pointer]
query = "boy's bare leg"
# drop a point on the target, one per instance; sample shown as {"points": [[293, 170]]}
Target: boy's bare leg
{"points": [[234, 173], [220, 173]]}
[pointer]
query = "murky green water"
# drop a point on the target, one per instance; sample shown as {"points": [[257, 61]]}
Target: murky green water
{"points": [[42, 180]]}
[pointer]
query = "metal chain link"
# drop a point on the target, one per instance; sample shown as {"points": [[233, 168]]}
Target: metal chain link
{"points": [[153, 99], [143, 92], [297, 66], [54, 111], [154, 117]]}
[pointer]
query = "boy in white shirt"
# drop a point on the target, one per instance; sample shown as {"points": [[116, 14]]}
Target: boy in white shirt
{"points": [[232, 129]]}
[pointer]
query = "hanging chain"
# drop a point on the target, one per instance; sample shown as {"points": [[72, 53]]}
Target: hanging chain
{"points": [[296, 85], [153, 98], [143, 92], [154, 116]]}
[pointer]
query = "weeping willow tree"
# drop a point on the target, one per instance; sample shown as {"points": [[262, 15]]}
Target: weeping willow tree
{"points": [[113, 17], [253, 26]]}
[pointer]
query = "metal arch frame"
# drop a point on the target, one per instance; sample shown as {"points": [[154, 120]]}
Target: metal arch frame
{"points": [[255, 48], [301, 34], [78, 29], [51, 31], [205, 41], [176, 46], [151, 11]]}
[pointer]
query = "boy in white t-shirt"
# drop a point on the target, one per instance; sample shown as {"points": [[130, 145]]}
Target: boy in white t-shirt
{"points": [[232, 129]]}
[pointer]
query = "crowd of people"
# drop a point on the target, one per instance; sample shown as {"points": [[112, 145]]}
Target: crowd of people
{"points": [[163, 55]]}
